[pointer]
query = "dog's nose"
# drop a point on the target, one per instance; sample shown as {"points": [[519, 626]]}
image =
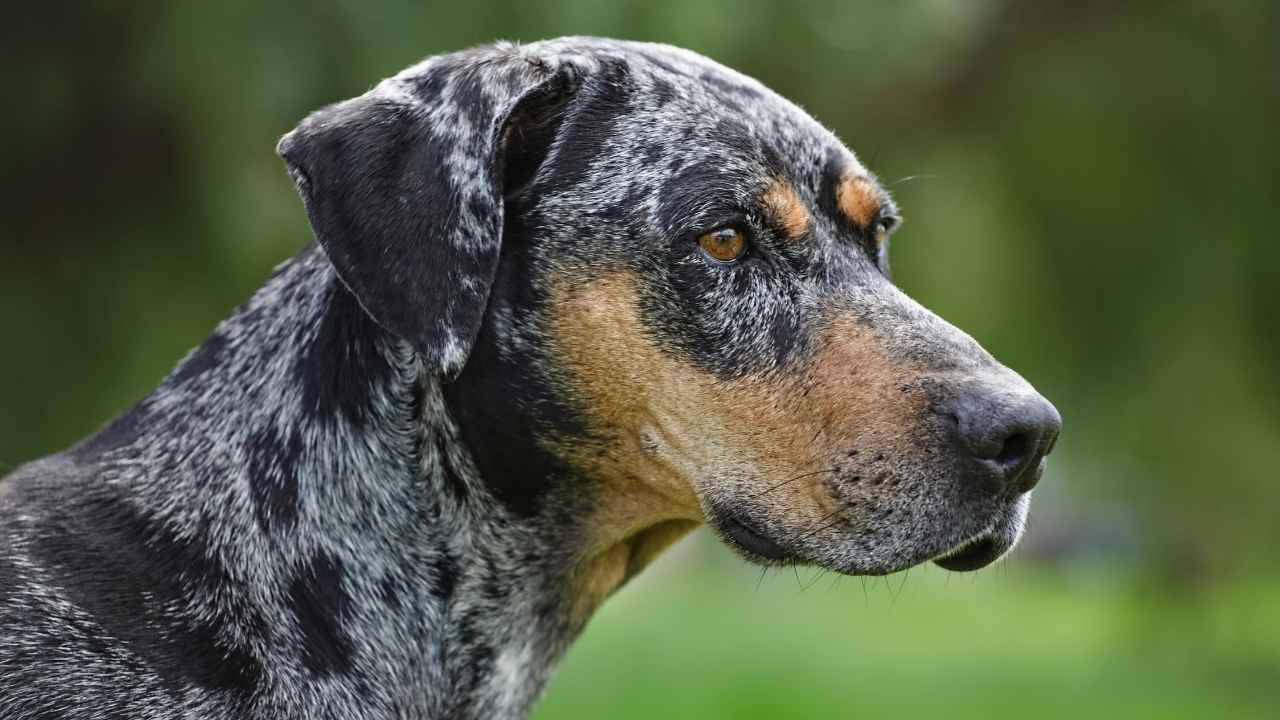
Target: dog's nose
{"points": [[1006, 435]]}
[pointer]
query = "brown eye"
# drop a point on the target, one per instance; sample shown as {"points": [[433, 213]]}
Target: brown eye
{"points": [[724, 244]]}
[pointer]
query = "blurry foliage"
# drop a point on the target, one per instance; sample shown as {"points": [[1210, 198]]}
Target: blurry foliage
{"points": [[1090, 190], [716, 643]]}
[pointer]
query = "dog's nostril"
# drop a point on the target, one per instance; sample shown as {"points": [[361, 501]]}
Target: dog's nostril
{"points": [[1013, 451], [1005, 437]]}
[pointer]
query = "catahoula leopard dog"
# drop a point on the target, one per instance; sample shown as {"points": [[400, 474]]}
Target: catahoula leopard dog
{"points": [[567, 301]]}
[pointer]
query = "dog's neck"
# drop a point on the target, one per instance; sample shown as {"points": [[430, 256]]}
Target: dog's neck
{"points": [[343, 536]]}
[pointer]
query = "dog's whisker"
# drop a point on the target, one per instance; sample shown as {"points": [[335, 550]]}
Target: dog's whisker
{"points": [[888, 586], [760, 580], [826, 423], [818, 575], [793, 479], [921, 176], [823, 519]]}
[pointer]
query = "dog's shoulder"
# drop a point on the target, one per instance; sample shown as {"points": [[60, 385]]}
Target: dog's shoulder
{"points": [[87, 594], [32, 497], [48, 645]]}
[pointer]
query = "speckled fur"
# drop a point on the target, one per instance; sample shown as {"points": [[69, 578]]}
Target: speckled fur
{"points": [[380, 489]]}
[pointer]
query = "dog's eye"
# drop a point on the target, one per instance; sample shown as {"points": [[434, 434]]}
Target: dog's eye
{"points": [[883, 227], [724, 244], [881, 231]]}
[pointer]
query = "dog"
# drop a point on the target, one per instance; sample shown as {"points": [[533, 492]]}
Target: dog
{"points": [[566, 302]]}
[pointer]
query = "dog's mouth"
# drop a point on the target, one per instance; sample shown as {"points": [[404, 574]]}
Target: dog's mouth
{"points": [[983, 548], [979, 548], [739, 533], [972, 554]]}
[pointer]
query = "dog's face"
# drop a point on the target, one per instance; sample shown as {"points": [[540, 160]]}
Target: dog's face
{"points": [[692, 317], [722, 313]]}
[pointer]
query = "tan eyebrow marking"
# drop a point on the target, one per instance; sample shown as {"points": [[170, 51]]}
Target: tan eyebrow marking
{"points": [[859, 199], [787, 210]]}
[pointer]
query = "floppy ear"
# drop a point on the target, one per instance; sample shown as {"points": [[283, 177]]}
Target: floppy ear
{"points": [[404, 188]]}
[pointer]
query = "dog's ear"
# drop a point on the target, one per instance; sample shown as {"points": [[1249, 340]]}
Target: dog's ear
{"points": [[404, 187]]}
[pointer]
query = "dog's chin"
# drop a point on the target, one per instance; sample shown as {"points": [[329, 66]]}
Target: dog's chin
{"points": [[986, 547], [972, 552]]}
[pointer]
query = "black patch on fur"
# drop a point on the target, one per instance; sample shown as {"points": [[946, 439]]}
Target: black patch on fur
{"points": [[452, 481], [503, 400], [730, 87], [165, 597], [444, 573], [653, 153], [657, 60], [600, 106], [344, 361], [123, 431], [8, 579], [832, 173], [201, 360], [376, 177], [273, 477], [697, 198], [663, 92], [390, 590], [735, 137], [378, 191], [530, 131], [787, 336], [492, 586], [477, 653], [431, 85], [321, 606]]}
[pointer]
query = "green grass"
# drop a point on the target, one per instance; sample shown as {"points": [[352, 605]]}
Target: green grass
{"points": [[696, 638]]}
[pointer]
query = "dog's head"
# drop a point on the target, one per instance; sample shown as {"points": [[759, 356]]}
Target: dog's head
{"points": [[658, 290]]}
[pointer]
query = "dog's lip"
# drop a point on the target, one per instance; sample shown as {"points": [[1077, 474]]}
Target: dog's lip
{"points": [[751, 540], [975, 553]]}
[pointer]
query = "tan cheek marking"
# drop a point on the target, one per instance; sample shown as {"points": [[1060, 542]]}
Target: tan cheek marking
{"points": [[670, 425], [787, 210], [611, 369], [859, 200], [863, 385], [599, 576], [670, 422]]}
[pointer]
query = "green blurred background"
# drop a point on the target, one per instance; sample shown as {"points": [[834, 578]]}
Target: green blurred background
{"points": [[1090, 190]]}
